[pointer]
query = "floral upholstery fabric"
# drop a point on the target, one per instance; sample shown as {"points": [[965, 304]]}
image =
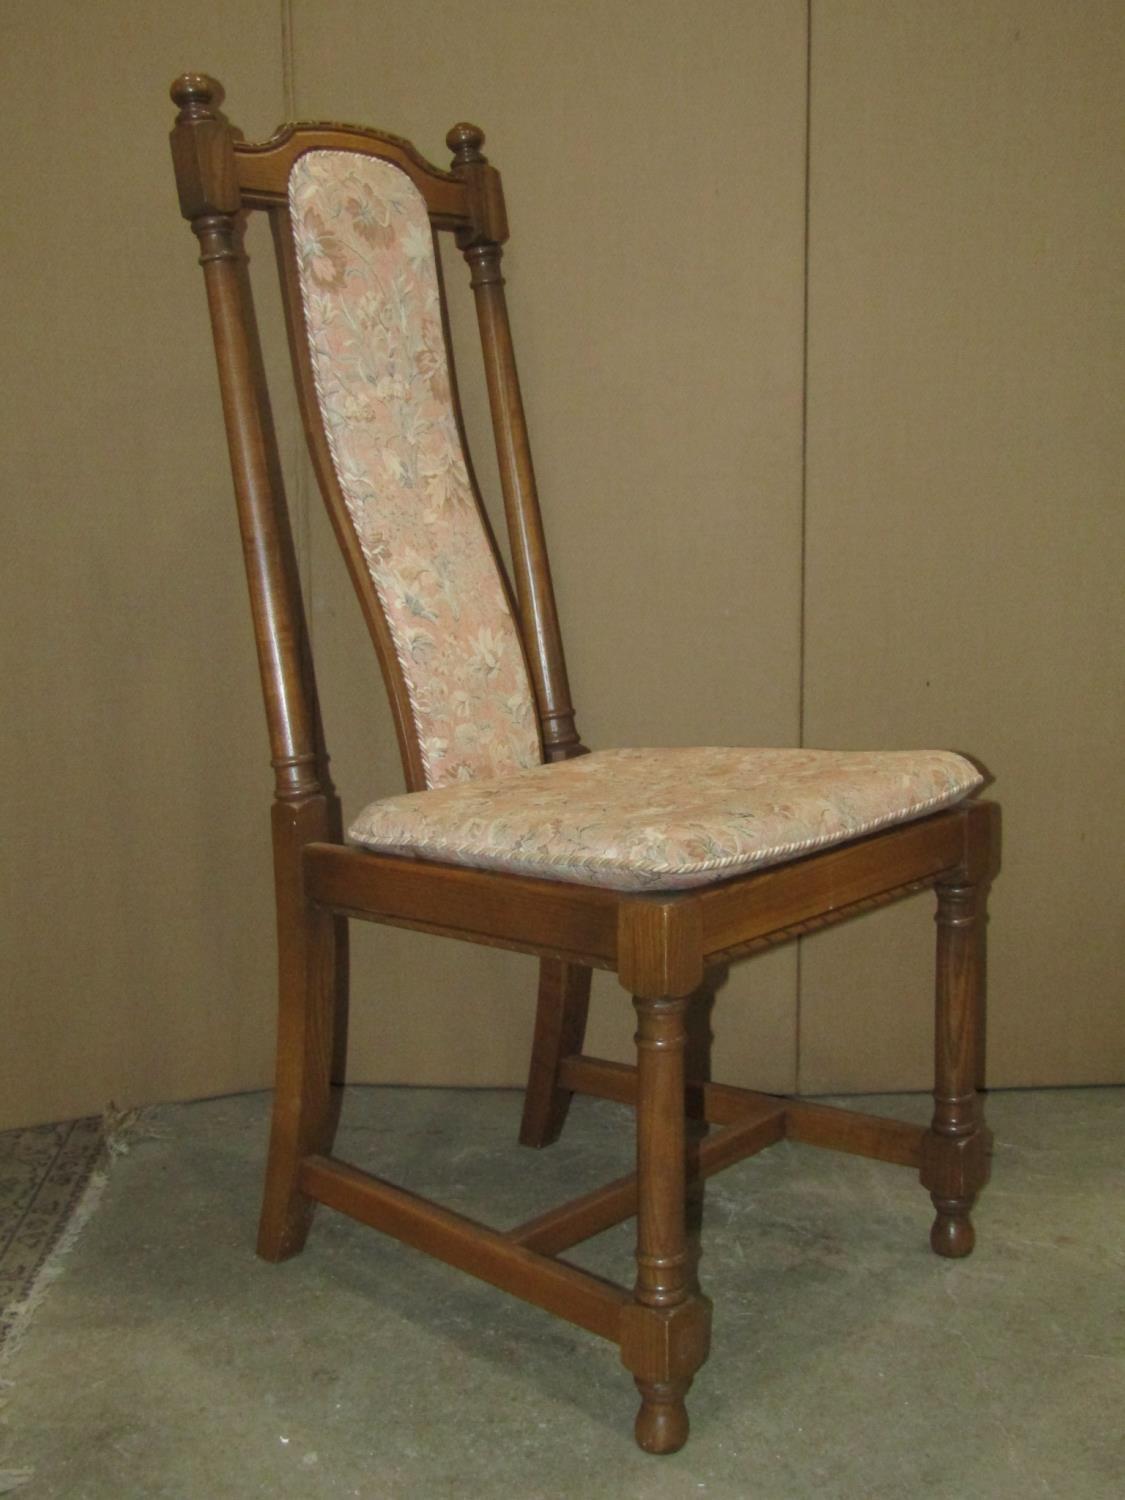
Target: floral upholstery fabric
{"points": [[666, 819], [370, 293]]}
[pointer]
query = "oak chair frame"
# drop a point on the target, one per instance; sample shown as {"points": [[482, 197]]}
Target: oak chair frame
{"points": [[661, 946]]}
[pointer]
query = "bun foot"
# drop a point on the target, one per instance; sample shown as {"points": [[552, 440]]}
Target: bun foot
{"points": [[952, 1235], [662, 1422]]}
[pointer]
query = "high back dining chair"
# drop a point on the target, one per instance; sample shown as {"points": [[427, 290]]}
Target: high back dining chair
{"points": [[659, 865]]}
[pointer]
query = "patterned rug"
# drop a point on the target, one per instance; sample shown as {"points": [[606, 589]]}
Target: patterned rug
{"points": [[50, 1179]]}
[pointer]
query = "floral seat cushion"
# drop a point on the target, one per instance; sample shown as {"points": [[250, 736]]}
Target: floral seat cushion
{"points": [[665, 819]]}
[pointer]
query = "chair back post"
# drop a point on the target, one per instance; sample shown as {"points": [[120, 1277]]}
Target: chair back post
{"points": [[202, 151], [535, 596]]}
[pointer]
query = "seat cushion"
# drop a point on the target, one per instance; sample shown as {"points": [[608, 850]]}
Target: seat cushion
{"points": [[665, 819]]}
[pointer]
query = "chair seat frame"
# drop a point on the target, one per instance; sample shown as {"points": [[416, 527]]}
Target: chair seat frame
{"points": [[662, 947]]}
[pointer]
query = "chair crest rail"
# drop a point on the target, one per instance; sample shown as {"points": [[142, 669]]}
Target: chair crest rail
{"points": [[263, 167]]}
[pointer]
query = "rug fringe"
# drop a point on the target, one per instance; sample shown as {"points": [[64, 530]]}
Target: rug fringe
{"points": [[19, 1313], [117, 1129]]}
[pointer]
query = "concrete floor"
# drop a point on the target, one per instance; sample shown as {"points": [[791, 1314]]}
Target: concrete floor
{"points": [[848, 1361]]}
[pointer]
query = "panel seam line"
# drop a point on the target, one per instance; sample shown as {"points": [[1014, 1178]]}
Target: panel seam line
{"points": [[803, 585]]}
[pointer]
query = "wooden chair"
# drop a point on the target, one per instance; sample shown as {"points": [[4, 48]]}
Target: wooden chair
{"points": [[657, 865]]}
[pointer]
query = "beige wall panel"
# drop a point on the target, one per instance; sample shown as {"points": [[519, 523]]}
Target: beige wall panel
{"points": [[653, 158], [137, 944], [965, 516]]}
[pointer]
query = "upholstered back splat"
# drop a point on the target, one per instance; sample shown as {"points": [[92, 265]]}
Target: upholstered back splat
{"points": [[369, 289]]}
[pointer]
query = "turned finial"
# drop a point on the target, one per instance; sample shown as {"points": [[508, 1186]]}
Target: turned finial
{"points": [[465, 141], [197, 95], [202, 149]]}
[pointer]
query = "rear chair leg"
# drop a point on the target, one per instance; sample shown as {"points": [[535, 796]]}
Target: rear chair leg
{"points": [[955, 1151], [312, 965], [560, 1026]]}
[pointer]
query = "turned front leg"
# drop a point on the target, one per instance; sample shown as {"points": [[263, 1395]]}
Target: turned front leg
{"points": [[666, 1330], [954, 1153]]}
